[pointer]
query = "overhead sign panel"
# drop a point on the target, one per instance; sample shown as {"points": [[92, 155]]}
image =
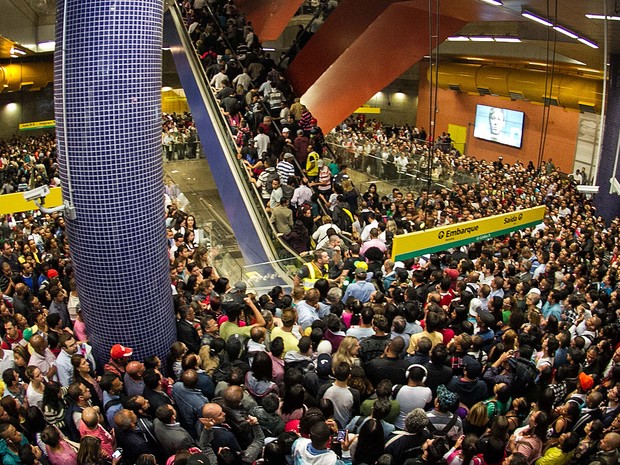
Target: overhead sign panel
{"points": [[455, 235]]}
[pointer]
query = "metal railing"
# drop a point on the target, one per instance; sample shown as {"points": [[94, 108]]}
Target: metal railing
{"points": [[281, 250]]}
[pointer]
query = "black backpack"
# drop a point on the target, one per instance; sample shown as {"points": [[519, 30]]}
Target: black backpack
{"points": [[525, 375], [443, 432], [342, 218]]}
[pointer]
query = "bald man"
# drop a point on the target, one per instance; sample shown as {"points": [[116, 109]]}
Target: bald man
{"points": [[132, 379], [43, 358], [608, 450], [131, 438], [215, 432], [189, 400], [91, 426]]}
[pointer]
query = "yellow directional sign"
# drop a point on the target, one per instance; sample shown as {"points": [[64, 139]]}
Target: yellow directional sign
{"points": [[37, 125], [14, 203], [455, 235]]}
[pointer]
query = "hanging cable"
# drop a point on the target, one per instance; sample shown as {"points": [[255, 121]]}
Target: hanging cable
{"points": [[433, 53], [549, 76], [548, 92]]}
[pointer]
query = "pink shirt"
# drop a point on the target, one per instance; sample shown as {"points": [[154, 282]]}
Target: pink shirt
{"points": [[66, 456], [107, 440], [79, 328]]}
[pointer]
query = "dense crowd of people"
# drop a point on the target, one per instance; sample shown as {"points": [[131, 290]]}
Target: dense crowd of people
{"points": [[500, 352]]}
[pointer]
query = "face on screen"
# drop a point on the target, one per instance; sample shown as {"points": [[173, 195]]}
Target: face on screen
{"points": [[496, 121]]}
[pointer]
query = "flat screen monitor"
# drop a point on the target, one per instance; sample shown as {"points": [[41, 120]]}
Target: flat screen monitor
{"points": [[499, 125]]}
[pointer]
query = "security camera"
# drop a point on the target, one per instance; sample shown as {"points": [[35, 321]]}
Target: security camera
{"points": [[37, 193]]}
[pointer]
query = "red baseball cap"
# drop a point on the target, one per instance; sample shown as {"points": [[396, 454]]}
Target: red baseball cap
{"points": [[118, 351]]}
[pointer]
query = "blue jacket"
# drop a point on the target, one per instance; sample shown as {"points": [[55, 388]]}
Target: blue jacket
{"points": [[189, 404]]}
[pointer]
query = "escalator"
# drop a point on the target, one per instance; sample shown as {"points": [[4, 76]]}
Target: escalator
{"points": [[262, 251]]}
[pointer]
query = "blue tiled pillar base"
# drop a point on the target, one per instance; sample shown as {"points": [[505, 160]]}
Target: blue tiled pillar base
{"points": [[107, 88]]}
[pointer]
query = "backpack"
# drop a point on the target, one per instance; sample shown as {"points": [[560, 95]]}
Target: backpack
{"points": [[525, 375], [231, 301], [342, 218], [495, 411], [443, 433]]}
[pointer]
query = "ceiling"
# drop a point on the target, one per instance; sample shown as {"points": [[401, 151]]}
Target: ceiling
{"points": [[27, 22], [540, 44]]}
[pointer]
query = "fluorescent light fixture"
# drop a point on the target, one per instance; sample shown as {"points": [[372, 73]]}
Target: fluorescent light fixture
{"points": [[538, 19], [494, 2], [589, 43], [507, 39], [17, 51], [14, 56], [566, 32], [166, 89], [48, 46], [165, 48], [481, 39], [609, 18], [268, 49], [458, 39]]}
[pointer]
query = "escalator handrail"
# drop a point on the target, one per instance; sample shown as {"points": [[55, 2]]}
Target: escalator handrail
{"points": [[228, 141]]}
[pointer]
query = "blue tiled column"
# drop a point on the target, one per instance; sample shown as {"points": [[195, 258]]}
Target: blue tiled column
{"points": [[107, 88], [608, 205]]}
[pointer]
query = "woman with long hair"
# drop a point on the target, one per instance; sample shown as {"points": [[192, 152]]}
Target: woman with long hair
{"points": [[568, 414], [517, 413], [82, 374], [90, 453], [299, 237], [22, 360], [59, 450], [259, 381], [292, 406], [529, 440], [464, 452], [371, 197], [588, 446], [476, 420], [175, 359], [347, 352], [369, 444], [54, 406]]}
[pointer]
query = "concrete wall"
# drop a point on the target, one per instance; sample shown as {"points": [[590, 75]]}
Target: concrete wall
{"points": [[460, 108], [24, 107]]}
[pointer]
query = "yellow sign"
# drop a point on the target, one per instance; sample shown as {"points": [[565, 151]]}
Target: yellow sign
{"points": [[37, 125], [368, 110], [14, 203], [455, 235]]}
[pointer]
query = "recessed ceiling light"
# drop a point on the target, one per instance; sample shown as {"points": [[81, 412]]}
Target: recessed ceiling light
{"points": [[507, 39], [589, 43], [481, 39], [609, 18], [536, 18], [566, 32], [458, 39]]}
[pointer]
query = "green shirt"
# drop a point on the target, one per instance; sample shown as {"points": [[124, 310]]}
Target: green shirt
{"points": [[228, 329]]}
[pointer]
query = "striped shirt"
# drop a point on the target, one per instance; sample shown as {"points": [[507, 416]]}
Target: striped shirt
{"points": [[285, 170]]}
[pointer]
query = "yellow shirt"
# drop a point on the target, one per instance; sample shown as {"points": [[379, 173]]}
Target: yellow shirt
{"points": [[290, 341], [435, 337]]}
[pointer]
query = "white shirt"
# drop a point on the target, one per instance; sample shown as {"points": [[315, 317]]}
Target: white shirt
{"points": [[366, 232]]}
